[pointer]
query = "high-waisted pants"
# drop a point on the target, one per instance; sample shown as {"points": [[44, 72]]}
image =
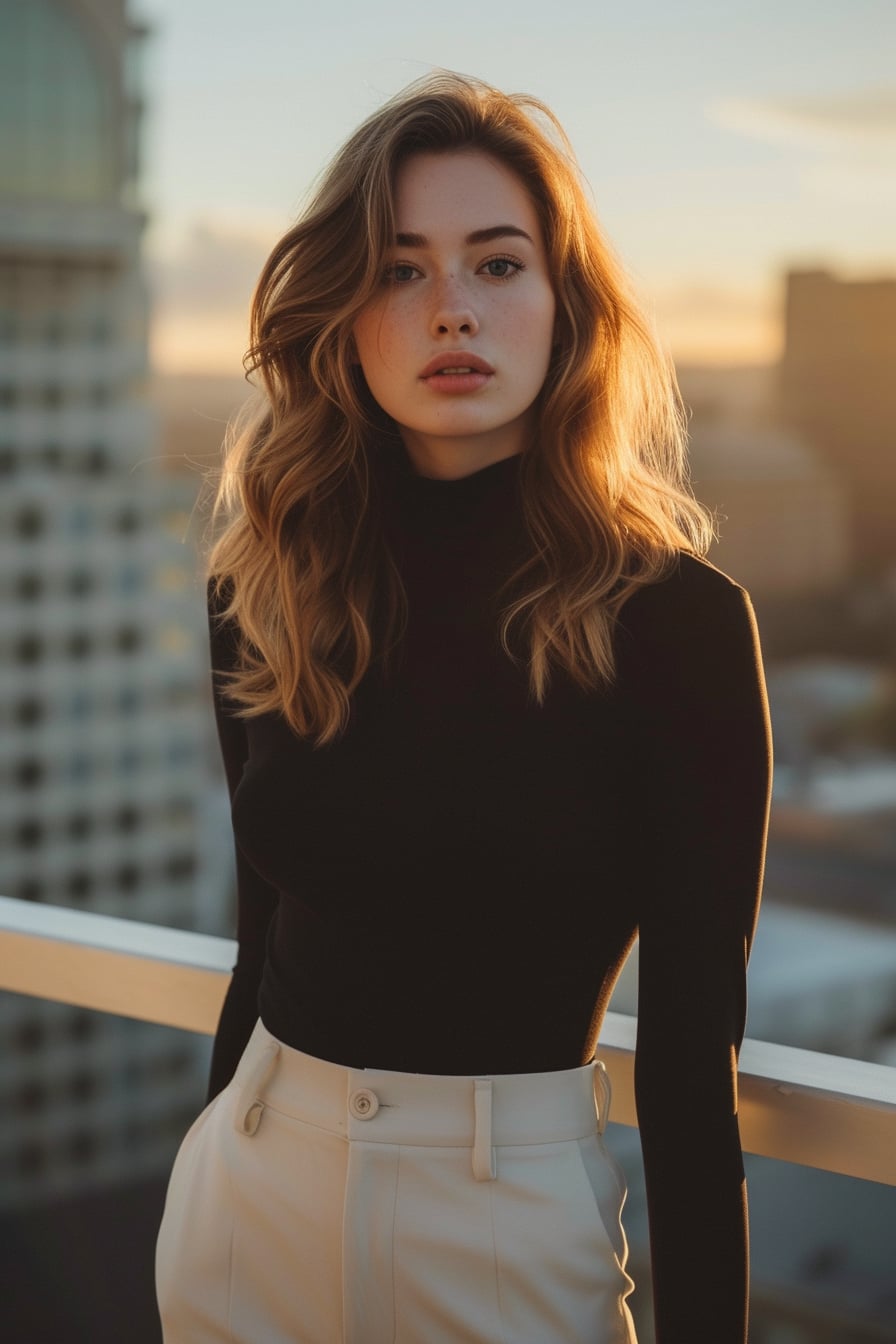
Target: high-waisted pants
{"points": [[316, 1204]]}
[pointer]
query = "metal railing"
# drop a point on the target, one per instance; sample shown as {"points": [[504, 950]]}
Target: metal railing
{"points": [[819, 1110]]}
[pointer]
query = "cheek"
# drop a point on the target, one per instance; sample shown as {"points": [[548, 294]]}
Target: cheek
{"points": [[381, 336], [532, 330], [366, 335]]}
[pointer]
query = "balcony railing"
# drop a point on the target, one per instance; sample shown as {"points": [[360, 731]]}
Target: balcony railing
{"points": [[819, 1110]]}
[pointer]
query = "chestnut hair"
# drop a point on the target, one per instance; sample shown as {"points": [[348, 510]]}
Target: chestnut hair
{"points": [[302, 567]]}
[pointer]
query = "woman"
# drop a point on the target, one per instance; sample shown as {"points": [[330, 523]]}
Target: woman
{"points": [[486, 714]]}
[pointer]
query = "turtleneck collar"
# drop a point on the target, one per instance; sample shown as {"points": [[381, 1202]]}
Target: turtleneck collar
{"points": [[461, 497]]}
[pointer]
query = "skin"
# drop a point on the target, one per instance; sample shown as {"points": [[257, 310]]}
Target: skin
{"points": [[446, 293]]}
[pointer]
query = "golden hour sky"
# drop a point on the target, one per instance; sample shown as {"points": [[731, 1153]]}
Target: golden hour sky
{"points": [[724, 141]]}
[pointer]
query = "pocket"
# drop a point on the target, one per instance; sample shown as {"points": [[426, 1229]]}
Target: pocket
{"points": [[558, 1243], [607, 1183], [288, 1193], [193, 1247]]}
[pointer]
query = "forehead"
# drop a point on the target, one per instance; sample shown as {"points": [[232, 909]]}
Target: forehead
{"points": [[460, 191]]}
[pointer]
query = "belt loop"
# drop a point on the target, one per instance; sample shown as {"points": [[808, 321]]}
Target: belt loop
{"points": [[483, 1153], [603, 1094], [249, 1105]]}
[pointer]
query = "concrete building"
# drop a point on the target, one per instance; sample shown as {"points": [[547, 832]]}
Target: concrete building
{"points": [[103, 752], [782, 513], [837, 386]]}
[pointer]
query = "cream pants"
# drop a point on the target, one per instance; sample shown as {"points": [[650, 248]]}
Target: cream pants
{"points": [[315, 1204]]}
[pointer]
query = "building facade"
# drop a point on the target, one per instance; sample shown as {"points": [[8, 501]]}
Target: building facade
{"points": [[102, 749], [837, 387]]}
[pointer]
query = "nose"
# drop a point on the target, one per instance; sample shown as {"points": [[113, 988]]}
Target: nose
{"points": [[452, 312]]}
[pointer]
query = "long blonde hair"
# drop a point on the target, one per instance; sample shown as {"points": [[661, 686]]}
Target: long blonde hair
{"points": [[302, 566]]}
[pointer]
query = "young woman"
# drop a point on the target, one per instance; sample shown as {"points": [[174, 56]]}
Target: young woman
{"points": [[486, 715]]}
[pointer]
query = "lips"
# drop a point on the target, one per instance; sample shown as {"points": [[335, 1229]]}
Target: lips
{"points": [[454, 362]]}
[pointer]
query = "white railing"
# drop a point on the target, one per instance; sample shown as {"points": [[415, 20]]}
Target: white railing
{"points": [[818, 1110]]}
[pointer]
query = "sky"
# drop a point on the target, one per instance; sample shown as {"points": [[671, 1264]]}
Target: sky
{"points": [[723, 142]]}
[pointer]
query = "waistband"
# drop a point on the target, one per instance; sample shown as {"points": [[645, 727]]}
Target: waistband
{"points": [[423, 1109]]}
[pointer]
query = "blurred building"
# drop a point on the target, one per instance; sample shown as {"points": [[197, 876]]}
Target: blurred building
{"points": [[837, 385], [782, 513], [821, 1243], [102, 752]]}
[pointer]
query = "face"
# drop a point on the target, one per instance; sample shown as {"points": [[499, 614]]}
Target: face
{"points": [[456, 345]]}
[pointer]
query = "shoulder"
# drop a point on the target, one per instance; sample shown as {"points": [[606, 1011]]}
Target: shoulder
{"points": [[692, 595], [693, 626]]}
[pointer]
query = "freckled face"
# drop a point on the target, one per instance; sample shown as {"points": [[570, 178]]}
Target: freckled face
{"points": [[456, 345]]}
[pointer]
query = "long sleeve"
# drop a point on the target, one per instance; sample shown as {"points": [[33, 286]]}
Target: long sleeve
{"points": [[701, 782], [256, 899]]}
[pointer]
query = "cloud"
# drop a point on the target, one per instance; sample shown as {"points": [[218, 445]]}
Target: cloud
{"points": [[866, 117], [209, 270], [711, 302], [702, 323], [201, 283]]}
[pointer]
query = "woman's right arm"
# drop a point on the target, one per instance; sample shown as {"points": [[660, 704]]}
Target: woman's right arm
{"points": [[256, 898]]}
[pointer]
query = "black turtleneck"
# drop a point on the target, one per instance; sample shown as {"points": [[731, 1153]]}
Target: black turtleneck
{"points": [[453, 886]]}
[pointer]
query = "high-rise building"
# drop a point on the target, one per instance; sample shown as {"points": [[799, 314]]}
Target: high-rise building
{"points": [[781, 512], [837, 385], [103, 739]]}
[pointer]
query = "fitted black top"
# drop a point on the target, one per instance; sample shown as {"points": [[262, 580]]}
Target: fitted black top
{"points": [[454, 884]]}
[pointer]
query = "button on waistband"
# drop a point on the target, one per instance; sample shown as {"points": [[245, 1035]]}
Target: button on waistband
{"points": [[363, 1104]]}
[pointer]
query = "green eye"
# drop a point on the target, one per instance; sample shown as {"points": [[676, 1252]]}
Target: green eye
{"points": [[502, 268], [400, 273]]}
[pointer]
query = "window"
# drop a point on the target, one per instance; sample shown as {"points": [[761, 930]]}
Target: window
{"points": [[78, 644], [81, 1146], [180, 866], [29, 833], [29, 586], [29, 522], [127, 819], [80, 521], [29, 772], [82, 1085], [30, 1035], [127, 639], [31, 1158], [29, 649], [81, 1025], [96, 460], [129, 760], [127, 520], [29, 889], [80, 706], [79, 885], [32, 1095], [128, 700], [79, 583], [127, 877], [129, 578], [80, 767], [79, 825], [28, 712]]}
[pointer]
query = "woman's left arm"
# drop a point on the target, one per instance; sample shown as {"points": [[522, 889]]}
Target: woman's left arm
{"points": [[701, 786]]}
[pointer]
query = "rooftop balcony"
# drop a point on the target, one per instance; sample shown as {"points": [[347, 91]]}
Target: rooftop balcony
{"points": [[822, 1111]]}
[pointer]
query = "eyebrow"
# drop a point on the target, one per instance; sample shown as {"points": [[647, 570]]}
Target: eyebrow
{"points": [[477, 236]]}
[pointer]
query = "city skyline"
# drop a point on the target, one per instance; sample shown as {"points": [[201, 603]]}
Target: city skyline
{"points": [[723, 144]]}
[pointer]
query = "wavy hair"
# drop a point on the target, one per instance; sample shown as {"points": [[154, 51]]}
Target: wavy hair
{"points": [[302, 567]]}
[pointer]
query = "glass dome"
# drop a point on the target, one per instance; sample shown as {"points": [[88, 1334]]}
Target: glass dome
{"points": [[57, 140]]}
